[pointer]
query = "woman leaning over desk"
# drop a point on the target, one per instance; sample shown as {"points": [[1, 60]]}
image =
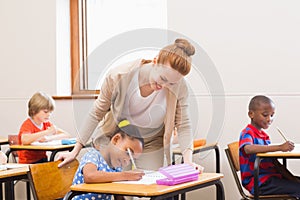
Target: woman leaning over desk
{"points": [[152, 95]]}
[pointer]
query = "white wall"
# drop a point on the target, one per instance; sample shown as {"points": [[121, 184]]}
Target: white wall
{"points": [[253, 45], [27, 53]]}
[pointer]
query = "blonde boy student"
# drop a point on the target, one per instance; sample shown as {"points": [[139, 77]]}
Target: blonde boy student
{"points": [[37, 127]]}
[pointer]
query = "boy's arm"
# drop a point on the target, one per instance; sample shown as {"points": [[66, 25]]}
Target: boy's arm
{"points": [[255, 148], [60, 134], [92, 175], [29, 138]]}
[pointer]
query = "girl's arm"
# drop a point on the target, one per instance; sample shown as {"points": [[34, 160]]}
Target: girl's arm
{"points": [[92, 175]]}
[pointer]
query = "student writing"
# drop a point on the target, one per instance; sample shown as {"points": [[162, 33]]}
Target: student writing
{"points": [[274, 178], [104, 163], [38, 128]]}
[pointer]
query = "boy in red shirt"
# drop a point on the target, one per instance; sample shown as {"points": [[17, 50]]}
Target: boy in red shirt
{"points": [[274, 178], [38, 128]]}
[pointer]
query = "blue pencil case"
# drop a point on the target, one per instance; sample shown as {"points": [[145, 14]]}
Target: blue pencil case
{"points": [[68, 141], [177, 174]]}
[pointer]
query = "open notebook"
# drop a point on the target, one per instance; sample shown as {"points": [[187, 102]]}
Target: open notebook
{"points": [[150, 177], [55, 142], [171, 175]]}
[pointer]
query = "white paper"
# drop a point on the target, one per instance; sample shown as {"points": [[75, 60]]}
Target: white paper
{"points": [[13, 166], [150, 177], [49, 143]]}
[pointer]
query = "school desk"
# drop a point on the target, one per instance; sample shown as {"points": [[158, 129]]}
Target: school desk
{"points": [[3, 141], [152, 191], [176, 151], [278, 154], [53, 148], [8, 176]]}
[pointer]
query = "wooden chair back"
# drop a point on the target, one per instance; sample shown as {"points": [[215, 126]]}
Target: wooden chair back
{"points": [[49, 182], [232, 153], [13, 140]]}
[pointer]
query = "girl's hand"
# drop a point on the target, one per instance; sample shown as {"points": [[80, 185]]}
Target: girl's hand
{"points": [[133, 175]]}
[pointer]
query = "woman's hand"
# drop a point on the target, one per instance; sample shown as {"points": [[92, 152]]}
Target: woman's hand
{"points": [[66, 157], [69, 156]]}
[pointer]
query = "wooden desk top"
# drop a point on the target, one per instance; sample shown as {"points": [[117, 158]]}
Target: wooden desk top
{"points": [[280, 154], [291, 154], [43, 148], [22, 170], [3, 140], [196, 149], [141, 189]]}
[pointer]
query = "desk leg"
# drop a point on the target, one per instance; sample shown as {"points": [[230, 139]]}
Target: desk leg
{"points": [[1, 191], [70, 195], [7, 153], [217, 159], [173, 159], [28, 190], [182, 196], [52, 156], [9, 190], [256, 174], [220, 191], [284, 162]]}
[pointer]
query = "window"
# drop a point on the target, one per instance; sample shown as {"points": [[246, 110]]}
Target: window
{"points": [[96, 23]]}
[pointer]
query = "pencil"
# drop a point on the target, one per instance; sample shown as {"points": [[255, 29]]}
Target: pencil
{"points": [[281, 133], [131, 158]]}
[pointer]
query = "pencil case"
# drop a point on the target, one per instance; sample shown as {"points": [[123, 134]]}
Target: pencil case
{"points": [[177, 174], [68, 141]]}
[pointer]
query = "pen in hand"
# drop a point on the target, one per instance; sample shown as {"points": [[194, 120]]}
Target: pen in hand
{"points": [[131, 158], [290, 144], [281, 133]]}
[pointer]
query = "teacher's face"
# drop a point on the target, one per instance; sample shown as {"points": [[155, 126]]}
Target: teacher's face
{"points": [[163, 76]]}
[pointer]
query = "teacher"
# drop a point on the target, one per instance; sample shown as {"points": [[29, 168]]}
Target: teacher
{"points": [[150, 94]]}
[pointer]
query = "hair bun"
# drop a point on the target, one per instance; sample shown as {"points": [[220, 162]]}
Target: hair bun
{"points": [[185, 46]]}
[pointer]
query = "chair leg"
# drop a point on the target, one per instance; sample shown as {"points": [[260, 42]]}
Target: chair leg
{"points": [[28, 189], [1, 191]]}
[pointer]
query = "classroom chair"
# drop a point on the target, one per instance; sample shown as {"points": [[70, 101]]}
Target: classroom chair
{"points": [[13, 156], [200, 145], [49, 182], [13, 140], [232, 153]]}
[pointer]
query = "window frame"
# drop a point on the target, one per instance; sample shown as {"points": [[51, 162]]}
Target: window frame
{"points": [[79, 50], [77, 45]]}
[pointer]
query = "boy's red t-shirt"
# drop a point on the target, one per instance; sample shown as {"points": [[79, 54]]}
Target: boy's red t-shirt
{"points": [[26, 156]]}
